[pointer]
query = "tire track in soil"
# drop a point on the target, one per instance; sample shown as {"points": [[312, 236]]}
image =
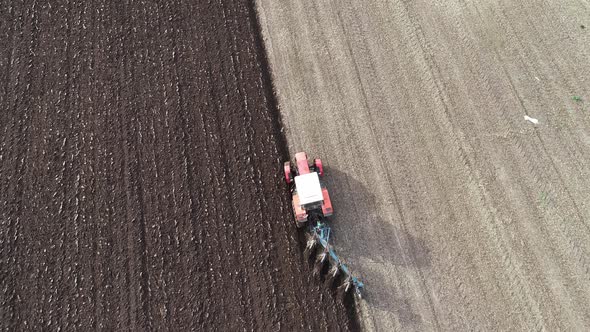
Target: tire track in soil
{"points": [[496, 233], [475, 70], [564, 225], [139, 157], [403, 219], [473, 176]]}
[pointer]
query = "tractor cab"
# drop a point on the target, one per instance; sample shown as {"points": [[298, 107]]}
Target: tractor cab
{"points": [[310, 196], [309, 190]]}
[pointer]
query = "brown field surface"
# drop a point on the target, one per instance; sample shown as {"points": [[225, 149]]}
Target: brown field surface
{"points": [[140, 173]]}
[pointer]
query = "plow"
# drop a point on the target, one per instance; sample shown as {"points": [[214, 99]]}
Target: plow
{"points": [[312, 207]]}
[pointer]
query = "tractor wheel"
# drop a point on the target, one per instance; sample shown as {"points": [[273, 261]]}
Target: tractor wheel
{"points": [[288, 174], [318, 166]]}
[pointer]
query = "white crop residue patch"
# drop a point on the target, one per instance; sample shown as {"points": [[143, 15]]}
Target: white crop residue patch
{"points": [[531, 120]]}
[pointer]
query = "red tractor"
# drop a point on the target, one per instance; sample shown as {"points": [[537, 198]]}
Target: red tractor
{"points": [[310, 196]]}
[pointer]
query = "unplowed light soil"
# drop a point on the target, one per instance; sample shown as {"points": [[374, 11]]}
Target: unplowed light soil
{"points": [[457, 213]]}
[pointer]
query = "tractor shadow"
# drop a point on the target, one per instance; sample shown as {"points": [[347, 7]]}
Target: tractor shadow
{"points": [[369, 235]]}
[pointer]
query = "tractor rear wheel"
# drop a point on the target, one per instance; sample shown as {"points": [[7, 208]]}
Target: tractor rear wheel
{"points": [[288, 174], [319, 167]]}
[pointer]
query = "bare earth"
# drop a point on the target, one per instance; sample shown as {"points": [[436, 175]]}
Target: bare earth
{"points": [[140, 178], [458, 213]]}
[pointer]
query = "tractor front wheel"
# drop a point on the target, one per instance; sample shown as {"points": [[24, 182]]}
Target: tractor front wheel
{"points": [[288, 174], [319, 167]]}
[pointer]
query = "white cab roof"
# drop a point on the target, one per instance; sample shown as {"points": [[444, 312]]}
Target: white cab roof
{"points": [[308, 188]]}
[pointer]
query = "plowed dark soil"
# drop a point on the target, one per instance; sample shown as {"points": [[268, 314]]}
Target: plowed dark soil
{"points": [[140, 178]]}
